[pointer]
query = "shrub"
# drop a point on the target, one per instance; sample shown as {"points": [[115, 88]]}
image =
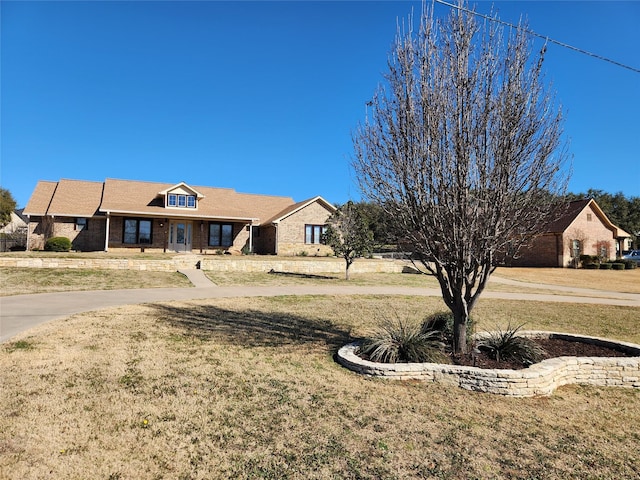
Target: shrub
{"points": [[618, 266], [58, 244], [591, 266], [442, 322], [403, 341], [628, 264], [508, 345], [589, 259], [605, 266]]}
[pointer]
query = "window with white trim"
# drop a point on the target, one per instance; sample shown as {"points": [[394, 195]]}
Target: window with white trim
{"points": [[179, 200]]}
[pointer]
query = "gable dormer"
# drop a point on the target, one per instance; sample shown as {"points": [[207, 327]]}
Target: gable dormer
{"points": [[181, 196]]}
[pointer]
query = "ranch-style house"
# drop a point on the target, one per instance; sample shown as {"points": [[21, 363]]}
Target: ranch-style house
{"points": [[127, 214]]}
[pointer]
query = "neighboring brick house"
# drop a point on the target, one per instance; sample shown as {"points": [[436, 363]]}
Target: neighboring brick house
{"points": [[126, 214], [584, 229]]}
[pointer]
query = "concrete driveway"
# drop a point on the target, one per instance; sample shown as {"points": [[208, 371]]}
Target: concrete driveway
{"points": [[19, 313]]}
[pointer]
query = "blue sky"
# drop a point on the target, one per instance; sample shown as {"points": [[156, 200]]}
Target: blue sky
{"points": [[262, 97]]}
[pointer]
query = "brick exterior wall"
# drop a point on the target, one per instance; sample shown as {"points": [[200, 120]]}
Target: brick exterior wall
{"points": [[291, 232], [545, 251], [592, 234], [265, 243], [38, 231], [88, 239]]}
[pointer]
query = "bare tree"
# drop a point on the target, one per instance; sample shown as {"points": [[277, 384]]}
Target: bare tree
{"points": [[348, 234], [463, 149]]}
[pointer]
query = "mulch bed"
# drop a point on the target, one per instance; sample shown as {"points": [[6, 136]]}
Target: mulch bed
{"points": [[554, 347]]}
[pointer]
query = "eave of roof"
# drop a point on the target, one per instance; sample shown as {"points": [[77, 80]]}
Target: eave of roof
{"points": [[186, 214]]}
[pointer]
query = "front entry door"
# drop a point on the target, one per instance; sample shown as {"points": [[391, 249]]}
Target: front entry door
{"points": [[180, 236]]}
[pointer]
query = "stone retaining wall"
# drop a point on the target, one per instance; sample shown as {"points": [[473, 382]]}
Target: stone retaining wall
{"points": [[539, 379], [210, 263]]}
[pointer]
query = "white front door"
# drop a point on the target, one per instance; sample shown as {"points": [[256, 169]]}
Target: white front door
{"points": [[180, 236]]}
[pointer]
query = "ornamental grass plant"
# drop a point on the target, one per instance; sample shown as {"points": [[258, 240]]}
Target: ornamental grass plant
{"points": [[403, 341], [507, 344]]}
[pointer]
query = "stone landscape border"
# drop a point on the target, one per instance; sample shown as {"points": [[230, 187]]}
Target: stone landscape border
{"points": [[213, 263], [539, 379]]}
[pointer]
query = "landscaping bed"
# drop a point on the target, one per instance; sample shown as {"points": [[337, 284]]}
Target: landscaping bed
{"points": [[554, 347]]}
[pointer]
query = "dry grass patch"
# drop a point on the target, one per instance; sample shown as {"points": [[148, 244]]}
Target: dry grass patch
{"points": [[358, 279], [625, 281], [247, 388], [17, 281]]}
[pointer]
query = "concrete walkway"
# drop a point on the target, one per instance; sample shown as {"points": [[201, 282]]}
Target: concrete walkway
{"points": [[19, 313]]}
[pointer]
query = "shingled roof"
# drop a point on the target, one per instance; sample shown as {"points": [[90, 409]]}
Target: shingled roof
{"points": [[79, 198], [66, 198]]}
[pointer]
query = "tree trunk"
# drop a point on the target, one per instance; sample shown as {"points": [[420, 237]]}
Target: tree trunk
{"points": [[460, 320], [346, 270]]}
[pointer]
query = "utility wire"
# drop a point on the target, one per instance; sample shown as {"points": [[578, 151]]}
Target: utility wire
{"points": [[531, 32]]}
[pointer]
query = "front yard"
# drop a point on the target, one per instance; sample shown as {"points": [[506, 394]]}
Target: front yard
{"points": [[248, 388]]}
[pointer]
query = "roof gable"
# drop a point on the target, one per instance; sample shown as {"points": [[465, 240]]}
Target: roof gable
{"points": [[181, 189], [574, 210], [296, 207]]}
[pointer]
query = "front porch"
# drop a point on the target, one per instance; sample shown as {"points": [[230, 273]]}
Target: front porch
{"points": [[182, 235]]}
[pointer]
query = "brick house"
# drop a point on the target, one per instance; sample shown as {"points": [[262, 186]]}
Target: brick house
{"points": [[584, 229], [126, 214]]}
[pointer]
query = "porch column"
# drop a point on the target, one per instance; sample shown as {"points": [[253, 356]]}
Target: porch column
{"points": [[251, 236], [275, 224], [106, 235], [201, 239]]}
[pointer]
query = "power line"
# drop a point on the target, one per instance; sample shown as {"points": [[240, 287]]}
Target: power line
{"points": [[531, 32]]}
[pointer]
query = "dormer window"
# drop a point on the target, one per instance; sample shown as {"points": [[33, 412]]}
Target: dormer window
{"points": [[181, 201], [181, 196]]}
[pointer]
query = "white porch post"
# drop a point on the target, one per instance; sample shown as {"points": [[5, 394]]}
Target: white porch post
{"points": [[106, 236], [251, 236]]}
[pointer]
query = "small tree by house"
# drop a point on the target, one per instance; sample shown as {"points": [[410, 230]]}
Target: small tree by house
{"points": [[7, 206], [348, 234]]}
